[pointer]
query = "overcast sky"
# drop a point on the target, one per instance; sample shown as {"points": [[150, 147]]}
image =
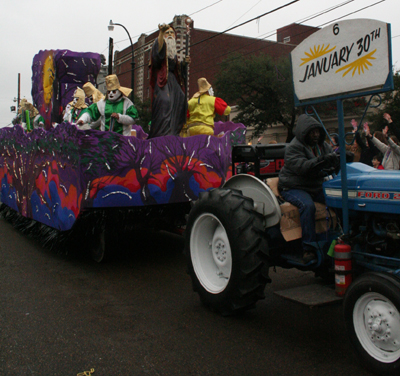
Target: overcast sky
{"points": [[29, 26]]}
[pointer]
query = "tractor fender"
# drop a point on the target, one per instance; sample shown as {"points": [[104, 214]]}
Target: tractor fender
{"points": [[265, 202]]}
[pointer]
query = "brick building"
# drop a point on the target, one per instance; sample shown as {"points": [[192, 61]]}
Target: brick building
{"points": [[207, 50]]}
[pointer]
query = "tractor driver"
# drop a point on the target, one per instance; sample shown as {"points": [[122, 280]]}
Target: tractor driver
{"points": [[301, 178]]}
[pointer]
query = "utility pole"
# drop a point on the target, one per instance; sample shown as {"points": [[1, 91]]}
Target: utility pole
{"points": [[110, 55], [19, 91]]}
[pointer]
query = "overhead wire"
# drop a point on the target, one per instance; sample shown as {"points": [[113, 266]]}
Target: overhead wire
{"points": [[209, 6], [152, 31], [265, 36], [244, 23], [272, 33], [359, 10], [256, 40], [234, 27], [267, 46], [245, 13]]}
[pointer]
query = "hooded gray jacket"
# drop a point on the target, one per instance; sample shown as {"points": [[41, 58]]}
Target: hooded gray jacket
{"points": [[300, 170]]}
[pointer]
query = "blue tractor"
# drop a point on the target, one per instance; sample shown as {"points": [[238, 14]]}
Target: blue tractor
{"points": [[235, 234]]}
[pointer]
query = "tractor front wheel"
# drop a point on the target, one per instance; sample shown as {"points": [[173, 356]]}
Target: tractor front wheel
{"points": [[372, 316]]}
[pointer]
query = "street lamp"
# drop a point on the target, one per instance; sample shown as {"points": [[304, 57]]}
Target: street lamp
{"points": [[111, 28]]}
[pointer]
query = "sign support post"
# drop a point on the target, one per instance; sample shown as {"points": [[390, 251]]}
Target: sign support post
{"points": [[343, 167]]}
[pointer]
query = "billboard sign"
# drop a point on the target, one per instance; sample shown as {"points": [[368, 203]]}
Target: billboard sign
{"points": [[342, 59]]}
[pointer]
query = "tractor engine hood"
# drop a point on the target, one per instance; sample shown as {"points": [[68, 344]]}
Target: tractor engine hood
{"points": [[369, 189]]}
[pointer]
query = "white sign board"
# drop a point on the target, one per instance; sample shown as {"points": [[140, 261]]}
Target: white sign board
{"points": [[345, 57]]}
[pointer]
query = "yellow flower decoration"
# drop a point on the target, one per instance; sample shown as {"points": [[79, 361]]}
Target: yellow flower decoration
{"points": [[358, 64], [316, 53]]}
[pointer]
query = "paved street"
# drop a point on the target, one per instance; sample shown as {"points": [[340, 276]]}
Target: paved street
{"points": [[63, 315]]}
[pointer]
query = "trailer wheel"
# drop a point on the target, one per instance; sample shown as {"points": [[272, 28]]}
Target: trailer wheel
{"points": [[226, 251], [372, 316]]}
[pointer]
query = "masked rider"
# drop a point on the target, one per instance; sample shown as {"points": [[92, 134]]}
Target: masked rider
{"points": [[77, 106], [117, 112]]}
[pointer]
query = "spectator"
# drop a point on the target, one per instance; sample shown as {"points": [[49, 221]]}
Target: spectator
{"points": [[392, 128], [390, 151], [368, 149], [335, 143], [377, 161]]}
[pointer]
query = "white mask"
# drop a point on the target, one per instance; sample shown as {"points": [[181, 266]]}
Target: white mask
{"points": [[211, 91], [113, 95]]}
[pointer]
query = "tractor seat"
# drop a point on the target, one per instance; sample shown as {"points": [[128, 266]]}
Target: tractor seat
{"points": [[290, 221]]}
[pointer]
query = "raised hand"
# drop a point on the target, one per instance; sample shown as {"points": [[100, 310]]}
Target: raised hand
{"points": [[366, 129], [163, 27], [387, 117]]}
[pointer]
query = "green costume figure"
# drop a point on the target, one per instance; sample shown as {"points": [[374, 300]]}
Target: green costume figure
{"points": [[117, 112], [35, 119]]}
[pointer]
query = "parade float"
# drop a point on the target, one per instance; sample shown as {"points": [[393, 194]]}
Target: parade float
{"points": [[62, 179]]}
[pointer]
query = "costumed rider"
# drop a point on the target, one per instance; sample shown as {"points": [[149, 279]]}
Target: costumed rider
{"points": [[94, 95], [67, 112], [117, 112], [167, 80], [78, 106], [32, 119], [308, 160], [202, 109]]}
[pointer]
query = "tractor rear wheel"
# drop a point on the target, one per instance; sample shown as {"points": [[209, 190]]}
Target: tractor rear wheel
{"points": [[226, 251]]}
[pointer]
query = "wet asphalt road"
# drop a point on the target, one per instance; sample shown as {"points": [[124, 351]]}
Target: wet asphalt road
{"points": [[64, 315]]}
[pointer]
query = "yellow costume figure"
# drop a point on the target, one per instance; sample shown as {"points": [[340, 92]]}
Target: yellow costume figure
{"points": [[202, 108]]}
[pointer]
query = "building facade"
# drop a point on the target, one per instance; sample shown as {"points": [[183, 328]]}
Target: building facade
{"points": [[207, 50]]}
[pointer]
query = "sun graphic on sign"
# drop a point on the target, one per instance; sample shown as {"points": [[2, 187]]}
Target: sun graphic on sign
{"points": [[316, 53], [358, 65]]}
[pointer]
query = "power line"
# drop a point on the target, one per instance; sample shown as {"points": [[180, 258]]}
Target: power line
{"points": [[257, 40], [152, 31], [265, 47], [272, 33], [356, 11], [245, 13], [246, 22], [205, 8]]}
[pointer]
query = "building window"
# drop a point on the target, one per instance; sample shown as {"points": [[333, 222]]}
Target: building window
{"points": [[286, 40]]}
